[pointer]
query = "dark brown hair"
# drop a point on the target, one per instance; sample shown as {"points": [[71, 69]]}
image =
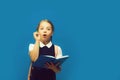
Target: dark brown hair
{"points": [[46, 20]]}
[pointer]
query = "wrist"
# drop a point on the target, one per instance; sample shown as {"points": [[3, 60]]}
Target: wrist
{"points": [[55, 70], [37, 42]]}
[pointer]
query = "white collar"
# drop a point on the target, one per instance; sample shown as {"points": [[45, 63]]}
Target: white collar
{"points": [[48, 45]]}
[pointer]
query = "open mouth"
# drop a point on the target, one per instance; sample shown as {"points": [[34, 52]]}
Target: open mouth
{"points": [[44, 35]]}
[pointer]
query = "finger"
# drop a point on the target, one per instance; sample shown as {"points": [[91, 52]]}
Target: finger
{"points": [[38, 33], [57, 64], [52, 64], [47, 64], [35, 34]]}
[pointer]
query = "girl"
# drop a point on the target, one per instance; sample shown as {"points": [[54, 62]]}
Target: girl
{"points": [[44, 46]]}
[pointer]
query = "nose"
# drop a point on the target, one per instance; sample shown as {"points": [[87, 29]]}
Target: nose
{"points": [[44, 31]]}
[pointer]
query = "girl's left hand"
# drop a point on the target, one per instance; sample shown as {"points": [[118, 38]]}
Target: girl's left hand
{"points": [[53, 67]]}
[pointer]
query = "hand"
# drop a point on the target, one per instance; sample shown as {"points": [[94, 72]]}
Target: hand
{"points": [[53, 67], [36, 36]]}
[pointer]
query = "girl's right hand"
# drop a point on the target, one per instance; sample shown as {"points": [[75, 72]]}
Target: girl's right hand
{"points": [[36, 36]]}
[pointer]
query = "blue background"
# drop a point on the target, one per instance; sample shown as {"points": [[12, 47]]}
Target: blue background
{"points": [[87, 30]]}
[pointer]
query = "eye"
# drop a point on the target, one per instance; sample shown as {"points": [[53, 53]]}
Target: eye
{"points": [[48, 29], [41, 28]]}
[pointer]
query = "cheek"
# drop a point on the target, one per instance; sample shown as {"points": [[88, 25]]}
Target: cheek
{"points": [[50, 33], [40, 33]]}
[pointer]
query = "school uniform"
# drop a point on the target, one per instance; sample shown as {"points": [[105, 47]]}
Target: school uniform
{"points": [[44, 73]]}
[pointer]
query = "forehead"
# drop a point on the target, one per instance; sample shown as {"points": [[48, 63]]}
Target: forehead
{"points": [[45, 24]]}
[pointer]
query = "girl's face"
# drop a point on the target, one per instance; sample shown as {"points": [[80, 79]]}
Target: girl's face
{"points": [[45, 31]]}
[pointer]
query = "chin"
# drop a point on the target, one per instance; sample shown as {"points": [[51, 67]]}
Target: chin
{"points": [[45, 40]]}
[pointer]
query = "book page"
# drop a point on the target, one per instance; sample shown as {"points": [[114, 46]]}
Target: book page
{"points": [[62, 57]]}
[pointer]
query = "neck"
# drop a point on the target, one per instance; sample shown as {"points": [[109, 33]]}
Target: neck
{"points": [[45, 42]]}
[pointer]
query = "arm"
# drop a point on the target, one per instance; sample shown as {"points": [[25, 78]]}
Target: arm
{"points": [[29, 72], [34, 51], [58, 53]]}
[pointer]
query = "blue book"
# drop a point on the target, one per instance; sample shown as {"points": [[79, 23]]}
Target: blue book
{"points": [[40, 62]]}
